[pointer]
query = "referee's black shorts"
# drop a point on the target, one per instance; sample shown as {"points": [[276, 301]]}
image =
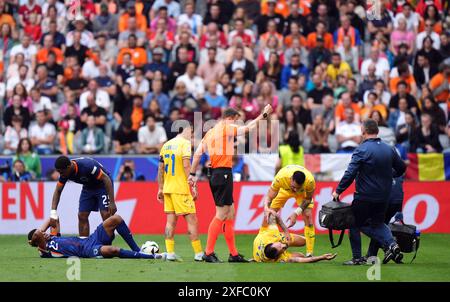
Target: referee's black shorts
{"points": [[221, 184]]}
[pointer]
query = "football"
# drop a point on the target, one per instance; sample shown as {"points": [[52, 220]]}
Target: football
{"points": [[150, 247]]}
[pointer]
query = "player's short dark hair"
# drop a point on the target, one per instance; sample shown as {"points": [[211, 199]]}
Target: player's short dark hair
{"points": [[299, 177], [30, 234], [230, 112], [270, 251], [62, 162], [370, 126]]}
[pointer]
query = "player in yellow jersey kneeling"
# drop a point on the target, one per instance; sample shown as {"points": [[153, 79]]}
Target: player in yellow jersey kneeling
{"points": [[294, 181], [175, 192]]}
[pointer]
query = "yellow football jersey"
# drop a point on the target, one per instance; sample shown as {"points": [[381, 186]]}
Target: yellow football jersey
{"points": [[267, 235], [172, 153], [283, 180]]}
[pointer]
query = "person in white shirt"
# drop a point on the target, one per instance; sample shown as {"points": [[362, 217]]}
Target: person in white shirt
{"points": [[28, 50], [13, 134], [348, 133], [60, 8], [151, 137], [87, 38], [138, 83], [173, 8], [194, 84], [381, 64], [21, 77], [428, 32], [412, 18], [102, 98], [195, 21], [40, 102], [42, 134]]}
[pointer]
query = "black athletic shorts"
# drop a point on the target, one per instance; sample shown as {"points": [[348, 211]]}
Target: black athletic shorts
{"points": [[369, 213], [221, 184]]}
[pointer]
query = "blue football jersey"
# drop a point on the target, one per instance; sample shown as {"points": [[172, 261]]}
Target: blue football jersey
{"points": [[63, 247], [87, 172]]}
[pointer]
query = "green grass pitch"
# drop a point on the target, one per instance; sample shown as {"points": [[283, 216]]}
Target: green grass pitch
{"points": [[19, 262]]}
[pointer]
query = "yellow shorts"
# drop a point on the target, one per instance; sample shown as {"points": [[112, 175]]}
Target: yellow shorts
{"points": [[180, 204], [283, 196]]}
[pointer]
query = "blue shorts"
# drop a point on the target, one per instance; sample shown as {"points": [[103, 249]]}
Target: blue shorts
{"points": [[92, 245], [92, 200]]}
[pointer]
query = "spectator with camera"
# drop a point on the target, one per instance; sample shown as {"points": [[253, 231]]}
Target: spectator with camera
{"points": [[19, 172], [127, 171]]}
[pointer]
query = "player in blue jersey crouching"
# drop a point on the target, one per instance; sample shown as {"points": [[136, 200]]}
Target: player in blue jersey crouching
{"points": [[97, 193], [97, 245]]}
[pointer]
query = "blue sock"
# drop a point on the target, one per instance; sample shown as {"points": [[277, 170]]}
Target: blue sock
{"points": [[125, 232], [134, 255]]}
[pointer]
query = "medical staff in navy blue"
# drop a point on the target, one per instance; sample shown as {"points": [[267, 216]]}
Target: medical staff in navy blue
{"points": [[97, 193], [374, 164], [394, 208]]}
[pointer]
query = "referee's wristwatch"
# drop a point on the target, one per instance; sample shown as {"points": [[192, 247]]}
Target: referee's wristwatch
{"points": [[193, 174], [264, 115]]}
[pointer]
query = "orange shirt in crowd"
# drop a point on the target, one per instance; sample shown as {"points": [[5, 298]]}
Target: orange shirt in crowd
{"points": [[220, 144], [366, 111], [42, 55], [289, 38], [444, 95], [311, 40], [340, 110], [6, 18], [138, 56], [141, 22], [437, 27], [394, 81], [283, 8], [137, 116]]}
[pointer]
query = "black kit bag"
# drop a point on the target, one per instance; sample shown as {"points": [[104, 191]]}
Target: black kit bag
{"points": [[336, 215], [406, 237]]}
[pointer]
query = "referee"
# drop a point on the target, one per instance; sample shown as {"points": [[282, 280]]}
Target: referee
{"points": [[373, 165], [219, 144]]}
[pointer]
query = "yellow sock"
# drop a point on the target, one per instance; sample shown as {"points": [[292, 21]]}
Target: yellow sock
{"points": [[310, 236], [197, 246], [170, 246]]}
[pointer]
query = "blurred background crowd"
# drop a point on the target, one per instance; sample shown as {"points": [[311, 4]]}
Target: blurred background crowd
{"points": [[111, 76]]}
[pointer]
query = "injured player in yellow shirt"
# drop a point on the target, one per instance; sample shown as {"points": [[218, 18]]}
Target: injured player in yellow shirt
{"points": [[270, 245]]}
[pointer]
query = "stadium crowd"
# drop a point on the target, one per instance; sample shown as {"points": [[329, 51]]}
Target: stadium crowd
{"points": [[102, 77]]}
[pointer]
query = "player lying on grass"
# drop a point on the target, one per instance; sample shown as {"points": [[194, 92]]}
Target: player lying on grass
{"points": [[97, 245], [270, 245]]}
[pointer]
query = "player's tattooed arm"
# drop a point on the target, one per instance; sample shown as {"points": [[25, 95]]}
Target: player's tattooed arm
{"points": [[283, 227], [160, 196], [267, 201]]}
